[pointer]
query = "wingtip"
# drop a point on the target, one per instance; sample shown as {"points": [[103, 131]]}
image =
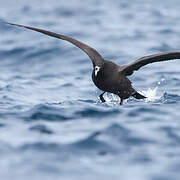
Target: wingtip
{"points": [[4, 22], [12, 24]]}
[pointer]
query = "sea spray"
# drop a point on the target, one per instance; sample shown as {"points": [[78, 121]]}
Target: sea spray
{"points": [[151, 94]]}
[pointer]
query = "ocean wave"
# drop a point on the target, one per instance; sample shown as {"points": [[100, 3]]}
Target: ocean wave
{"points": [[47, 113]]}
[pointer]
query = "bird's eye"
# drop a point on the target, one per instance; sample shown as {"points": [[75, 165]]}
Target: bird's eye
{"points": [[97, 68]]}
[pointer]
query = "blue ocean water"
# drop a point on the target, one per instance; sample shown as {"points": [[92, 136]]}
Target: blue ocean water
{"points": [[52, 124]]}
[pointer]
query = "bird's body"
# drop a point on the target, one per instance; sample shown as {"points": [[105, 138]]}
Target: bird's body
{"points": [[110, 80], [106, 75]]}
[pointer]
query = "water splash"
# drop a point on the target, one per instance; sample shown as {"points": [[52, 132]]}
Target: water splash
{"points": [[151, 94], [112, 99]]}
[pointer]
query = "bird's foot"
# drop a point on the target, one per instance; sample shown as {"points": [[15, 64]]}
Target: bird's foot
{"points": [[101, 97], [121, 102]]}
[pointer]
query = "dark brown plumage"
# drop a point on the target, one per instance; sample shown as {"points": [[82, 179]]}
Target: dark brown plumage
{"points": [[108, 76]]}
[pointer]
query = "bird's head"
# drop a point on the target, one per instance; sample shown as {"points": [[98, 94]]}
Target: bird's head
{"points": [[96, 69], [98, 65]]}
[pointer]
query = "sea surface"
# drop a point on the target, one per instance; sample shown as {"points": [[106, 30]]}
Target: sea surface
{"points": [[52, 124]]}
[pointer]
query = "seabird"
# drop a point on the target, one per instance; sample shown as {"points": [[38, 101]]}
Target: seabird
{"points": [[106, 75]]}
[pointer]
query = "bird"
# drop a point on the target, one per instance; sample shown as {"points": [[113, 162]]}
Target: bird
{"points": [[106, 75]]}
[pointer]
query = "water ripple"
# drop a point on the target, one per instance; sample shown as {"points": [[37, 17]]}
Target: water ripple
{"points": [[48, 113]]}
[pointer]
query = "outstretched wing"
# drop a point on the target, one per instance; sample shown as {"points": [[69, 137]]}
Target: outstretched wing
{"points": [[130, 68], [92, 53]]}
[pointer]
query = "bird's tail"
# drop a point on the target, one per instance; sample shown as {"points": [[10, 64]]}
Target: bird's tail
{"points": [[138, 96]]}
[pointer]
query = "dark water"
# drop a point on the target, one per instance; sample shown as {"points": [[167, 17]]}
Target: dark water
{"points": [[52, 125]]}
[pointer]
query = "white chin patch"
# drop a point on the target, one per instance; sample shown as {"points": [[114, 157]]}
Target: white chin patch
{"points": [[97, 68]]}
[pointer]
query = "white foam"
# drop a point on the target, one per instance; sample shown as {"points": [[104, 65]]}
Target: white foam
{"points": [[151, 94], [112, 99]]}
